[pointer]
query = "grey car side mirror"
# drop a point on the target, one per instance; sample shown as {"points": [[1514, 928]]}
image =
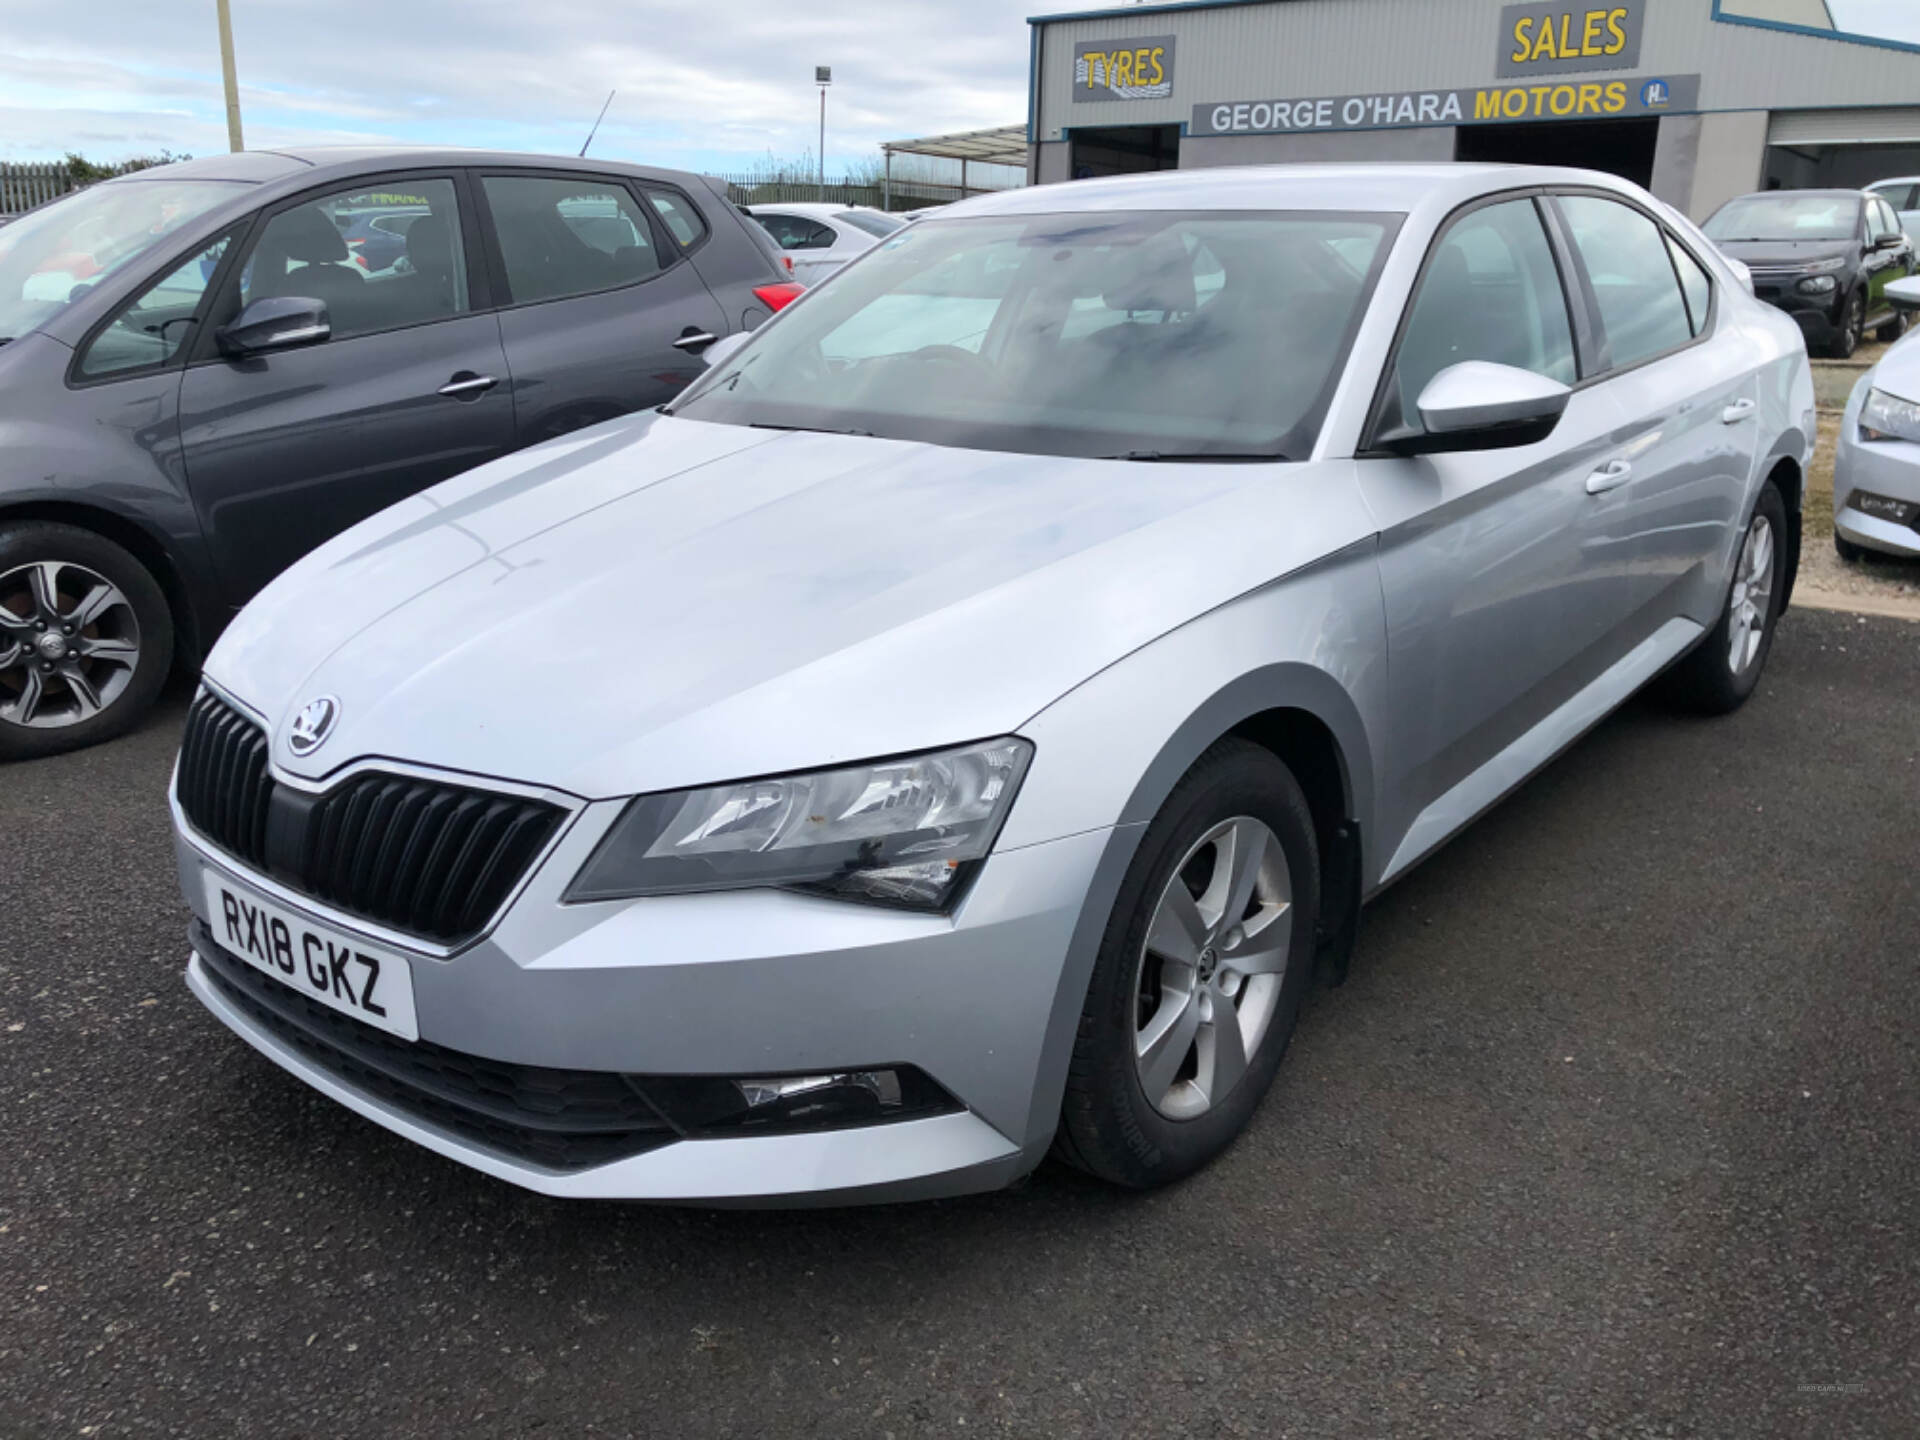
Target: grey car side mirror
{"points": [[275, 322], [1477, 405], [727, 345], [1904, 294]]}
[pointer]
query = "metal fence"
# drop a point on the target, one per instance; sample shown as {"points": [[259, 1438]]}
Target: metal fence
{"points": [[881, 194], [24, 186]]}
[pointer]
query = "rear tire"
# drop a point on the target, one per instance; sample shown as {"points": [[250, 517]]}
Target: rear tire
{"points": [[1176, 1046], [86, 639], [1724, 668], [1853, 328]]}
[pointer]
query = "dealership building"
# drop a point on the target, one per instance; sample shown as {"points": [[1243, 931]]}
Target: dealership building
{"points": [[1699, 100]]}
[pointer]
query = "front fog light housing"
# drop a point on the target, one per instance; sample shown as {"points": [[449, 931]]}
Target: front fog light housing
{"points": [[1888, 417], [1818, 285], [712, 1106], [903, 832]]}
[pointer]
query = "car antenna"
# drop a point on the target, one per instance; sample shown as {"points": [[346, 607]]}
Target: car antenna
{"points": [[596, 123]]}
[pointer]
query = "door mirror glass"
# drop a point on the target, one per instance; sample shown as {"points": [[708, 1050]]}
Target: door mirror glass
{"points": [[278, 322], [724, 347], [1904, 294], [1478, 405]]}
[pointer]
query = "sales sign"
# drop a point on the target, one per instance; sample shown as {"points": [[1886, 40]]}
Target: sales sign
{"points": [[1564, 36]]}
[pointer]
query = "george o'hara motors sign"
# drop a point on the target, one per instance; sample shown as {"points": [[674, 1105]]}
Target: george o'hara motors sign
{"points": [[1476, 105]]}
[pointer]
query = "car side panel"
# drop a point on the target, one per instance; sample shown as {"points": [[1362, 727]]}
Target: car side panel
{"points": [[111, 448]]}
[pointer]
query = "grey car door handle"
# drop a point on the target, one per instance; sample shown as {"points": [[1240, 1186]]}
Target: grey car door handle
{"points": [[468, 386], [1610, 476], [1736, 412], [695, 340]]}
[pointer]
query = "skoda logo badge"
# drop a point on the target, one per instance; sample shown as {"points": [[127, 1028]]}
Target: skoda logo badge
{"points": [[313, 724]]}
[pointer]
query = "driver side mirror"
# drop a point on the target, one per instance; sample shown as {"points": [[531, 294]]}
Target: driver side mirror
{"points": [[274, 322], [721, 350], [1477, 405], [1889, 242]]}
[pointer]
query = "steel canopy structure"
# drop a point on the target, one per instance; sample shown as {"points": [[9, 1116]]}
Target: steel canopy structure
{"points": [[1000, 145]]}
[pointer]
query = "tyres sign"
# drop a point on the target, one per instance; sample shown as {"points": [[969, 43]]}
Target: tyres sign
{"points": [[1139, 67]]}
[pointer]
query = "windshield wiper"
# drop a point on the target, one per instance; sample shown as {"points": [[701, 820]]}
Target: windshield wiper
{"points": [[807, 429], [1199, 457]]}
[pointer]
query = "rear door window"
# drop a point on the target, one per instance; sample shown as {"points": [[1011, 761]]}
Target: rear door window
{"points": [[568, 235], [682, 220], [1695, 282], [1635, 290]]}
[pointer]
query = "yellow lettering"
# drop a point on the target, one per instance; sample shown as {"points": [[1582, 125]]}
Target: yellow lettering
{"points": [[1140, 59], [1566, 36], [1590, 98], [1590, 33], [1616, 96], [1486, 104], [1562, 93], [1617, 31], [1514, 104], [1122, 69], [1540, 93], [1543, 48], [1523, 41], [1159, 75]]}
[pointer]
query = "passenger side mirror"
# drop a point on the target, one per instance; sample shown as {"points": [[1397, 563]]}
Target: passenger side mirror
{"points": [[1888, 242], [1904, 294], [1477, 405], [720, 350], [275, 322]]}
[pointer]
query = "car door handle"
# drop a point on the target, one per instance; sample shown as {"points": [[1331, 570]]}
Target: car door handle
{"points": [[1610, 476], [1736, 412], [467, 386], [693, 340]]}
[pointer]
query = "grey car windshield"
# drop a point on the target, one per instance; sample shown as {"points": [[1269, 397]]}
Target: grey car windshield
{"points": [[1786, 217], [1116, 335], [53, 255]]}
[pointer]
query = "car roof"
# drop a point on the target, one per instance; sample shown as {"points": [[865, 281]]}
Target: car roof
{"points": [[297, 167], [1388, 188]]}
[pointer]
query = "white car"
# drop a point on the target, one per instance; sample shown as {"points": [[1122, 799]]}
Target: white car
{"points": [[1876, 461], [820, 239], [1903, 194]]}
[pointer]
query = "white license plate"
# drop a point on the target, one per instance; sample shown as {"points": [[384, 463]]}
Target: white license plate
{"points": [[322, 963]]}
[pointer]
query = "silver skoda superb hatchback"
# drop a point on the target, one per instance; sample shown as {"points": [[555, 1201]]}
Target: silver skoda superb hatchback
{"points": [[959, 727]]}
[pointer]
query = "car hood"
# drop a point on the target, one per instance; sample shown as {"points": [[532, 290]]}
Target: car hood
{"points": [[662, 602], [1779, 254]]}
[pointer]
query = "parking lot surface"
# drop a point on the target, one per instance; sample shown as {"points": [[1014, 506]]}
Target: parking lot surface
{"points": [[1612, 1133]]}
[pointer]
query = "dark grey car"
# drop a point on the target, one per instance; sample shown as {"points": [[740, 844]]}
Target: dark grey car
{"points": [[202, 377]]}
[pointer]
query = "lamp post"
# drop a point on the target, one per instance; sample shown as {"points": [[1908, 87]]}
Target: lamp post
{"points": [[823, 77], [234, 141]]}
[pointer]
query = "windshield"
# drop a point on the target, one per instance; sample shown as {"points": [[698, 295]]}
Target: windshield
{"points": [[874, 222], [53, 255], [1786, 217], [1099, 334]]}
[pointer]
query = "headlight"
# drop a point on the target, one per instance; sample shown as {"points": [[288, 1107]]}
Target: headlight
{"points": [[1888, 417], [893, 832], [1826, 266], [1818, 285]]}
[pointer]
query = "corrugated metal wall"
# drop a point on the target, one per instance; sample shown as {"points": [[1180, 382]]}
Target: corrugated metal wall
{"points": [[1295, 49]]}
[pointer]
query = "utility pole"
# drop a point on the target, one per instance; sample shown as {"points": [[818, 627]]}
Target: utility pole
{"points": [[234, 142], [823, 77]]}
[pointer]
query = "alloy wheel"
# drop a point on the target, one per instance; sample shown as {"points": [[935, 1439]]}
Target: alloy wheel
{"points": [[1751, 603], [69, 644], [1211, 968]]}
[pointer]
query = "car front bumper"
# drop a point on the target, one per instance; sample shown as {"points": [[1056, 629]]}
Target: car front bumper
{"points": [[1886, 468], [748, 983]]}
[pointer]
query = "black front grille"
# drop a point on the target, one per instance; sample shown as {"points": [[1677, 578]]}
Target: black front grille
{"points": [[559, 1119], [224, 786], [419, 856]]}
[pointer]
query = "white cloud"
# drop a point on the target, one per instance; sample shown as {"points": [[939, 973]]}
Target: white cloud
{"points": [[701, 82]]}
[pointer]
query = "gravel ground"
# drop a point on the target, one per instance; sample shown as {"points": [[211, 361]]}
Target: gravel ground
{"points": [[1611, 1134]]}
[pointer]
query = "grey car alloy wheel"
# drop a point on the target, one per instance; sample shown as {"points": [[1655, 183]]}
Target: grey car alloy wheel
{"points": [[1211, 967], [69, 644], [1750, 603]]}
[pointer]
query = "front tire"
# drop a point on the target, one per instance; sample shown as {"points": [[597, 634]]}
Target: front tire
{"points": [[1852, 330], [1724, 668], [86, 639], [1200, 974], [1893, 329]]}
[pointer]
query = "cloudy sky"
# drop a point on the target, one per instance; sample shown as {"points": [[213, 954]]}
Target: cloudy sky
{"points": [[706, 84]]}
